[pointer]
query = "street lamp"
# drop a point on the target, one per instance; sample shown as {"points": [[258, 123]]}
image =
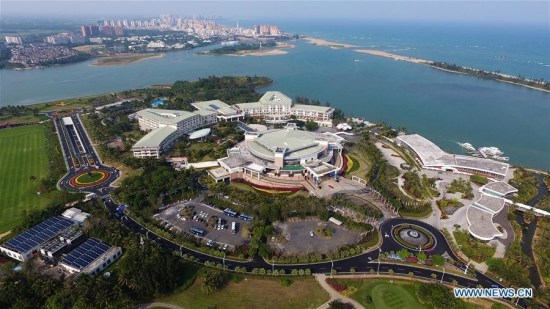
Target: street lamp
{"points": [[467, 265], [442, 274], [331, 267], [223, 260], [378, 270]]}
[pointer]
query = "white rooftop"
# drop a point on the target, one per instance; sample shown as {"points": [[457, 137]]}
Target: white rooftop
{"points": [[481, 223], [490, 203], [216, 106], [155, 137], [432, 156], [165, 116], [501, 188]]}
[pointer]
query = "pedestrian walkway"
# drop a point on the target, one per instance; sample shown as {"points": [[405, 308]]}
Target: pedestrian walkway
{"points": [[157, 305], [334, 295]]}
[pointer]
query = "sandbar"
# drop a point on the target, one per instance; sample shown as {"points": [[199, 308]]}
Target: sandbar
{"points": [[333, 45], [125, 59], [393, 56]]}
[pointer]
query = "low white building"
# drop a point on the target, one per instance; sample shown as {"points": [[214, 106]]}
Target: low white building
{"points": [[91, 257], [165, 127]]}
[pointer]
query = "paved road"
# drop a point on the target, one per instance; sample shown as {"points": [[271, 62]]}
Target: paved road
{"points": [[361, 263], [75, 143]]}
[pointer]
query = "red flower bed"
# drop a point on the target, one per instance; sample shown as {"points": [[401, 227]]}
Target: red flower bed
{"points": [[344, 165], [291, 189], [340, 287]]}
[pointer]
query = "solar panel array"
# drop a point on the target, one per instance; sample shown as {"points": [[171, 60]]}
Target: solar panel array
{"points": [[85, 254], [38, 234]]}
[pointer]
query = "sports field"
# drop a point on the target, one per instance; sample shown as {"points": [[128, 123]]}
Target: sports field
{"points": [[22, 156]]}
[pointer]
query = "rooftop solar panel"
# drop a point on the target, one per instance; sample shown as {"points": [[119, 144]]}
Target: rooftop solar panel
{"points": [[38, 234], [85, 254]]}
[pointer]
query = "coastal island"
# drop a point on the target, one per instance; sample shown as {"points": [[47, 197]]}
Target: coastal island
{"points": [[253, 49]]}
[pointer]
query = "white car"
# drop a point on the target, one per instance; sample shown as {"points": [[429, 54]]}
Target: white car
{"points": [[311, 233]]}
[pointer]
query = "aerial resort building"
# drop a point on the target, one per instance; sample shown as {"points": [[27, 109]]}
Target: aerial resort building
{"points": [[275, 107], [59, 241], [27, 244], [91, 257], [166, 126], [282, 152], [433, 157]]}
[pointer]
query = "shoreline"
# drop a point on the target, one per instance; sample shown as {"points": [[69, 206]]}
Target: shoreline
{"points": [[120, 60], [333, 45], [431, 63]]}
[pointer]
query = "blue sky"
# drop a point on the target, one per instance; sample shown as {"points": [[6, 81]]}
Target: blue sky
{"points": [[532, 12]]}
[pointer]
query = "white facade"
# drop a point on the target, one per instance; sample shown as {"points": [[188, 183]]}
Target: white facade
{"points": [[165, 127], [14, 40], [98, 264], [276, 107]]}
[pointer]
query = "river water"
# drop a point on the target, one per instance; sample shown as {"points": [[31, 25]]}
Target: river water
{"points": [[446, 108]]}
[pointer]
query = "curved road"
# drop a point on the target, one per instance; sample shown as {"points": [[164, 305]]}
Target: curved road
{"points": [[361, 263]]}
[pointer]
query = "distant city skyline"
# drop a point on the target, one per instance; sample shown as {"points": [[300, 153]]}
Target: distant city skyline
{"points": [[527, 12]]}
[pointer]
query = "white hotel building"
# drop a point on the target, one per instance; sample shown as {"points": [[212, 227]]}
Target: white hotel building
{"points": [[166, 126]]}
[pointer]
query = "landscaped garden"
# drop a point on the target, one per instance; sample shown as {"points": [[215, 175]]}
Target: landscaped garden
{"points": [[472, 248], [396, 294], [463, 186]]}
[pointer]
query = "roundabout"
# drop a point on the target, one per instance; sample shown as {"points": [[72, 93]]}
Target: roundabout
{"points": [[89, 178], [413, 237]]}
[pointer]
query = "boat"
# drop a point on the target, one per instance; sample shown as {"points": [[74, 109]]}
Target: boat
{"points": [[492, 153], [468, 147]]}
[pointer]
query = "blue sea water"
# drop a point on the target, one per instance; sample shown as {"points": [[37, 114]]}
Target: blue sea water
{"points": [[444, 107]]}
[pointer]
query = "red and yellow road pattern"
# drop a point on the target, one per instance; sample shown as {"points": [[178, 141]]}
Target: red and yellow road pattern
{"points": [[78, 182]]}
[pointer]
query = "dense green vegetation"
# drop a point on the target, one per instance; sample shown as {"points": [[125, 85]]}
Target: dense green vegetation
{"points": [[383, 178], [472, 248], [463, 186], [514, 263], [526, 184], [536, 83], [438, 296], [420, 188], [544, 203], [158, 185], [224, 135], [478, 179], [224, 50], [542, 250], [142, 273]]}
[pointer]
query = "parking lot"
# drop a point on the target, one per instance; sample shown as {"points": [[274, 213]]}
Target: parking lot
{"points": [[206, 218], [299, 240]]}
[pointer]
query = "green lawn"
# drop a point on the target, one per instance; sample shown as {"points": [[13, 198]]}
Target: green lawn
{"points": [[385, 295], [361, 164], [89, 178], [22, 155], [253, 293]]}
